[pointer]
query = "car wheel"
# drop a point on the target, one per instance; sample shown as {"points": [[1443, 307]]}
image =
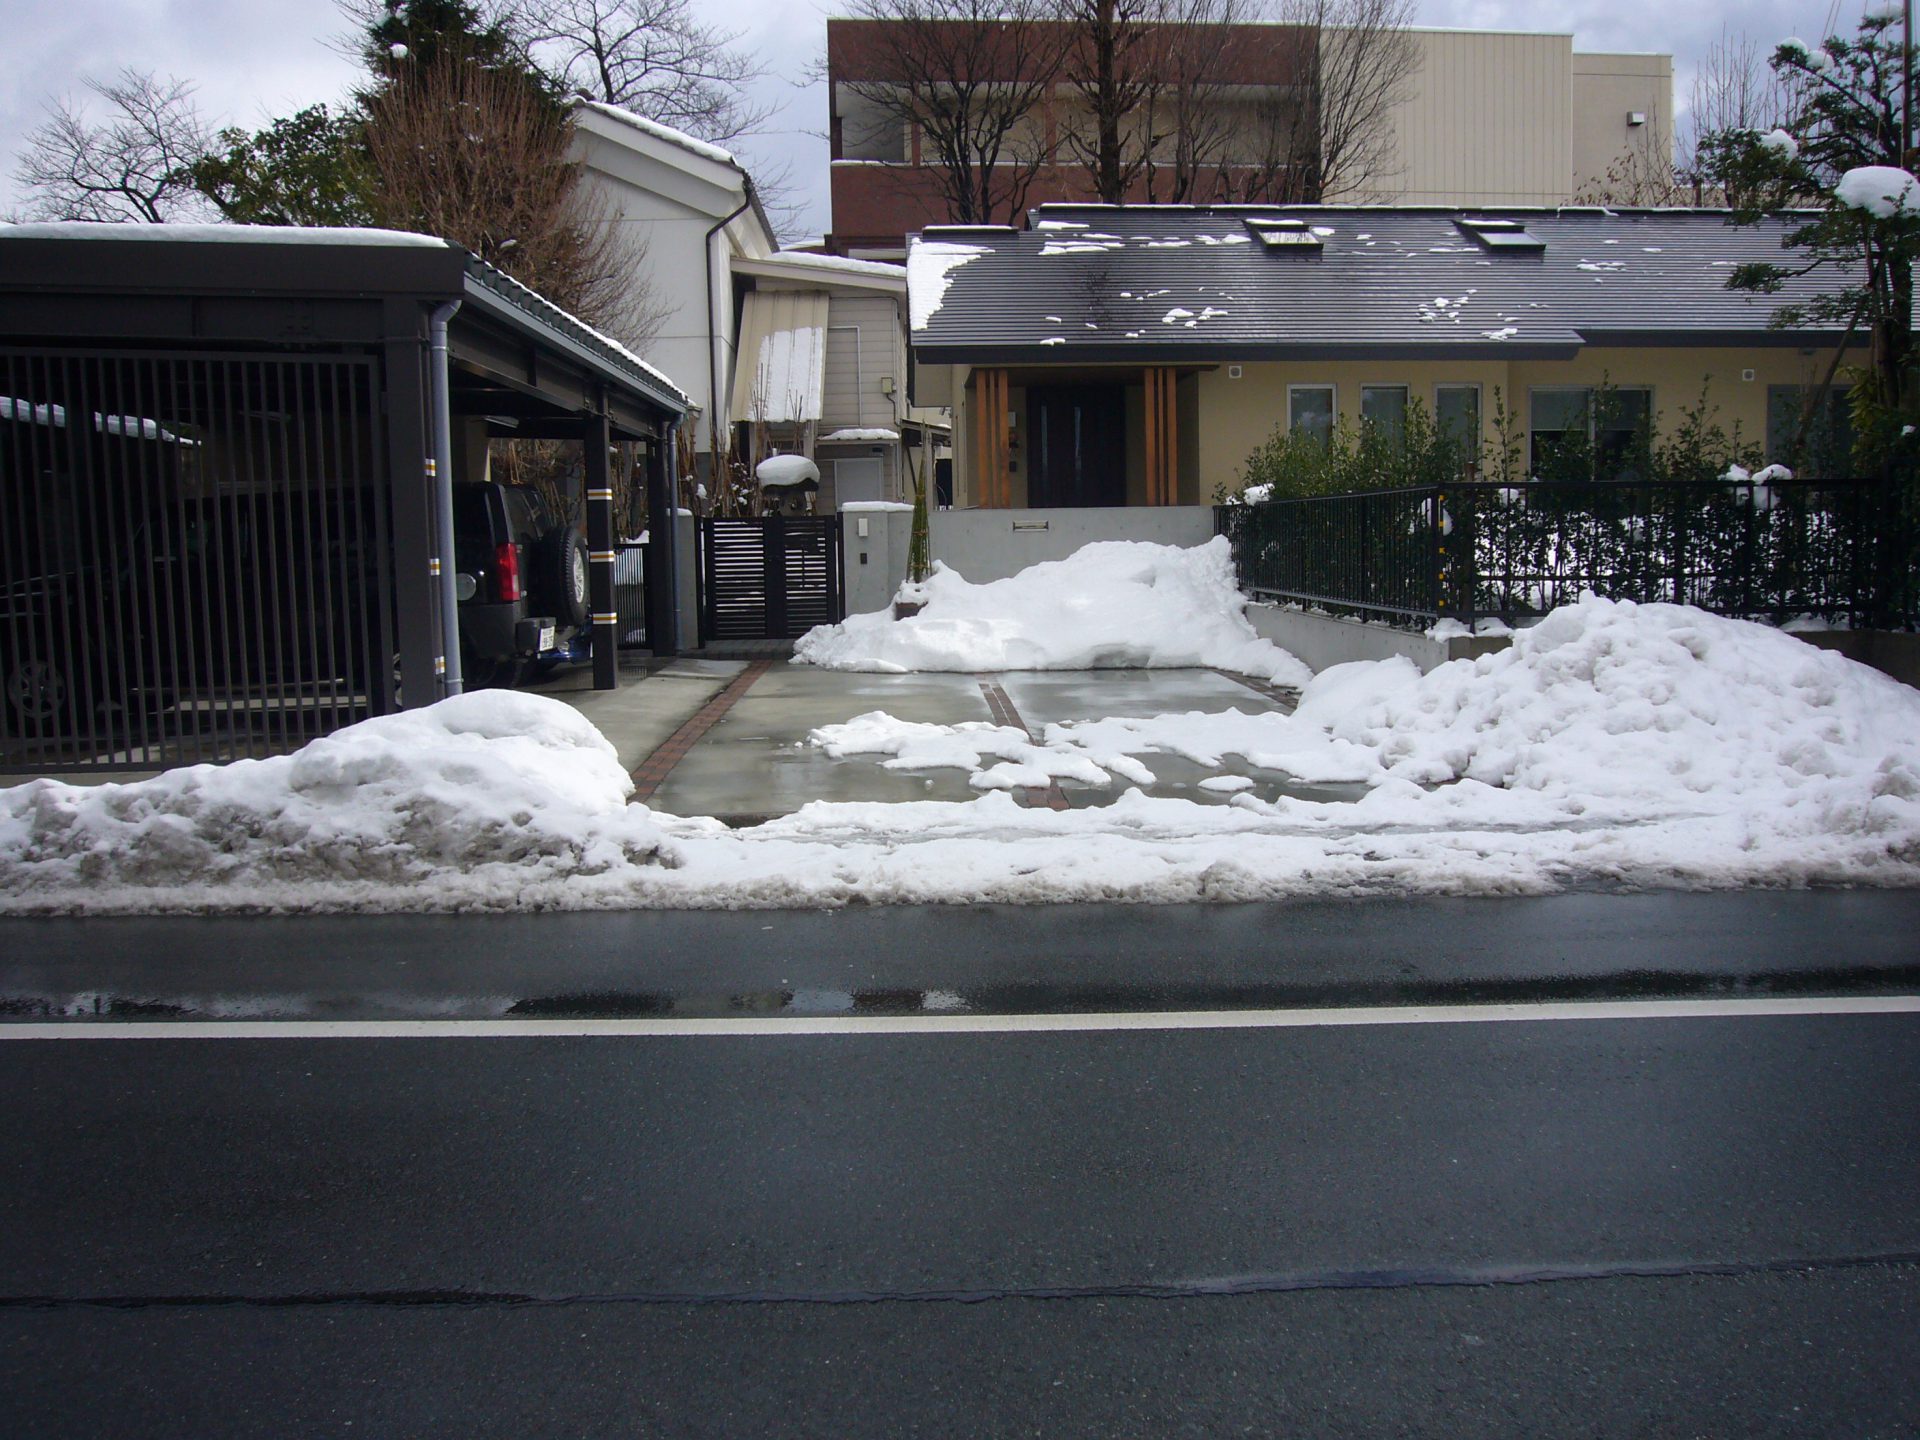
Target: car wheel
{"points": [[563, 566]]}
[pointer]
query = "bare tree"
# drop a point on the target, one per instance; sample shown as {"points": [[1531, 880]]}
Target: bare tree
{"points": [[136, 165], [970, 79], [1733, 92], [650, 56], [1362, 68], [478, 156]]}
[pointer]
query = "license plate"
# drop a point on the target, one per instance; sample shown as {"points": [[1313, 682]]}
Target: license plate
{"points": [[546, 637]]}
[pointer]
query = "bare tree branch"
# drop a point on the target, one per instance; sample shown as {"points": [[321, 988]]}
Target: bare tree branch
{"points": [[135, 166], [968, 79], [477, 156], [650, 56]]}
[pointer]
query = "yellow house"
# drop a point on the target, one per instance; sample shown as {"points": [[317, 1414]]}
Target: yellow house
{"points": [[1135, 355]]}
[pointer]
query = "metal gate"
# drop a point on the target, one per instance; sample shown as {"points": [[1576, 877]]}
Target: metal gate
{"points": [[772, 578], [194, 555]]}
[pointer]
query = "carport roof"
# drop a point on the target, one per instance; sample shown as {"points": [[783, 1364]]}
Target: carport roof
{"points": [[1165, 284], [76, 280]]}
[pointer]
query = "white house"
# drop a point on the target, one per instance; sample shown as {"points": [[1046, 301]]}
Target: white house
{"points": [[798, 352], [694, 206]]}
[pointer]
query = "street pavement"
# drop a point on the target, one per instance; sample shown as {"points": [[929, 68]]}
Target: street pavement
{"points": [[756, 1188]]}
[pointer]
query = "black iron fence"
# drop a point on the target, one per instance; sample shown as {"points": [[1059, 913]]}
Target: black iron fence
{"points": [[1842, 551], [194, 556]]}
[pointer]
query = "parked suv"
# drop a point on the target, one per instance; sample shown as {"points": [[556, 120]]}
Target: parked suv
{"points": [[522, 582]]}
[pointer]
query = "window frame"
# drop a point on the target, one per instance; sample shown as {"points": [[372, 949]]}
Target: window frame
{"points": [[1333, 405], [1594, 432], [1406, 401]]}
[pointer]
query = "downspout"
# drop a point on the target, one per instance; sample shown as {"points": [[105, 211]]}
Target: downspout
{"points": [[443, 494], [713, 340]]}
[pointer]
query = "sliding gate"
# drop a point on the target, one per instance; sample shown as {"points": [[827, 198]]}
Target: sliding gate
{"points": [[194, 555], [771, 578]]}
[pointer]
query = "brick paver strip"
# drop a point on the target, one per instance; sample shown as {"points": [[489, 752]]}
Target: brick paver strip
{"points": [[1287, 697], [652, 771], [1000, 705]]}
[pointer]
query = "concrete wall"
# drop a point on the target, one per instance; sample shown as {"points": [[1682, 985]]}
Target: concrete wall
{"points": [[1606, 90], [876, 560], [993, 544], [1322, 641]]}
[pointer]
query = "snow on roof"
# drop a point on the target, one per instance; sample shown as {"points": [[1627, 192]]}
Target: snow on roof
{"points": [[504, 280], [667, 133], [777, 470], [55, 416], [855, 435], [930, 264], [808, 259], [223, 234]]}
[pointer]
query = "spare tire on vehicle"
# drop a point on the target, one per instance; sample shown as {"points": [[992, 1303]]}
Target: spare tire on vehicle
{"points": [[561, 563]]}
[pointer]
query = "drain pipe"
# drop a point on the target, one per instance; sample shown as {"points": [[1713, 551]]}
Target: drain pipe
{"points": [[713, 342], [442, 472]]}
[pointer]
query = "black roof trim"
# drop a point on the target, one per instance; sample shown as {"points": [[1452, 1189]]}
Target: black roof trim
{"points": [[1131, 354]]}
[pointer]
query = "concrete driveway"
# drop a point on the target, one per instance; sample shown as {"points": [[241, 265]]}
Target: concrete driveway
{"points": [[729, 738]]}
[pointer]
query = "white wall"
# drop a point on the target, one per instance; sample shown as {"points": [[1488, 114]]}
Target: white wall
{"points": [[993, 544]]}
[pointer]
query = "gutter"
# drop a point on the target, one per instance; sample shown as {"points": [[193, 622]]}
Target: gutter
{"points": [[451, 682], [713, 339]]}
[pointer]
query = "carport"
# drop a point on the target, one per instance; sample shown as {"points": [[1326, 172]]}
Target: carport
{"points": [[225, 461]]}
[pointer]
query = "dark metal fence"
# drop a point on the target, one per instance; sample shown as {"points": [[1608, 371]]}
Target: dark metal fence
{"points": [[1835, 550], [630, 594], [193, 556], [770, 578]]}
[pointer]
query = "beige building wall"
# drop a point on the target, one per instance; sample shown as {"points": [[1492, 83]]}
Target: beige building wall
{"points": [[1607, 91], [1496, 118], [1237, 416]]}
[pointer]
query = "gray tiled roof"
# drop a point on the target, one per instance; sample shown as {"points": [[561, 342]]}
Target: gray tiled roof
{"points": [[1137, 283]]}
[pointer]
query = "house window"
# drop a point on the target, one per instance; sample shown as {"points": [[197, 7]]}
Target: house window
{"points": [[1383, 410], [1581, 433], [1825, 438], [1310, 408], [1456, 413]]}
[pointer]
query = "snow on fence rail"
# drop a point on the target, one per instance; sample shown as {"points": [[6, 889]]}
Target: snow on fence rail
{"points": [[1842, 551]]}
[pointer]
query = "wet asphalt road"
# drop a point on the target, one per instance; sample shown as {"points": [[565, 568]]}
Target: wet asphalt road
{"points": [[1609, 1227]]}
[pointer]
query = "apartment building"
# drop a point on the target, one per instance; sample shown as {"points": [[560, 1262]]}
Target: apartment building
{"points": [[1487, 118]]}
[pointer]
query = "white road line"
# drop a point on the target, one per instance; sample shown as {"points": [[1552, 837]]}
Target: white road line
{"points": [[767, 1026]]}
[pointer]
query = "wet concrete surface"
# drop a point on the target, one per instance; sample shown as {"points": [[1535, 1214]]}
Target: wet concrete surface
{"points": [[756, 763], [962, 959], [653, 700]]}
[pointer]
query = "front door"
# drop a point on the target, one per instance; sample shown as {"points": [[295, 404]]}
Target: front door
{"points": [[1078, 435]]}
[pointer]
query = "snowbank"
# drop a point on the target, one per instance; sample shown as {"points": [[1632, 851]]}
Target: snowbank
{"points": [[489, 791], [1114, 603], [1612, 744]]}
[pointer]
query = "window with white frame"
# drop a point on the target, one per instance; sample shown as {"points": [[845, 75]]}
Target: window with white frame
{"points": [[1310, 409]]}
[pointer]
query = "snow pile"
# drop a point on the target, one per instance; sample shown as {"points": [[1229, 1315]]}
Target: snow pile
{"points": [[1883, 191], [915, 745], [491, 791], [1637, 712], [1780, 143], [779, 470], [930, 267], [1114, 603]]}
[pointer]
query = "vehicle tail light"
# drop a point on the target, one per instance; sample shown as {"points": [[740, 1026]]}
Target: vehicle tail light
{"points": [[507, 570]]}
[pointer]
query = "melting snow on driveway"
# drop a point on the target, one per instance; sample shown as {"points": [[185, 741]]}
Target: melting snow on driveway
{"points": [[1612, 744]]}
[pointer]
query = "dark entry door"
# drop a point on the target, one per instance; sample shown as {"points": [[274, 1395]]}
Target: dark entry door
{"points": [[1078, 435], [772, 578]]}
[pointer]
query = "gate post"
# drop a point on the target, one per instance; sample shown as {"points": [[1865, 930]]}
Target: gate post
{"points": [[595, 438], [663, 534]]}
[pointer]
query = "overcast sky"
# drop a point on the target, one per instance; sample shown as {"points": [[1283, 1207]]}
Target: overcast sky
{"points": [[254, 59]]}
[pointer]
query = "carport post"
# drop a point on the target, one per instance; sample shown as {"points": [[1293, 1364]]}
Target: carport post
{"points": [[663, 536], [595, 438], [409, 448]]}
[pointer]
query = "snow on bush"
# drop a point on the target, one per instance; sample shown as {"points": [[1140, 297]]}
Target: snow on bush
{"points": [[1883, 191], [518, 787], [1114, 603]]}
